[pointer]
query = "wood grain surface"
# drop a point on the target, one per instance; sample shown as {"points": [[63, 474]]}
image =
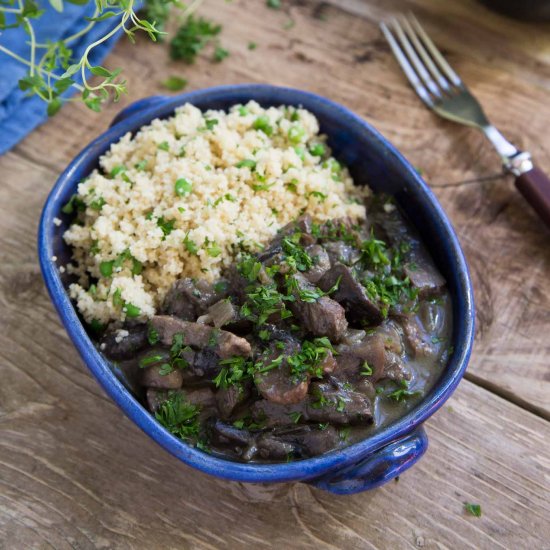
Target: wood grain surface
{"points": [[75, 473]]}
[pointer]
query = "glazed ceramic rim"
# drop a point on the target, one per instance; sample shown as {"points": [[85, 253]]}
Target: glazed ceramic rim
{"points": [[301, 469]]}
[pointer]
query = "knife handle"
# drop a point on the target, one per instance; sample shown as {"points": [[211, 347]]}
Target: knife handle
{"points": [[534, 185]]}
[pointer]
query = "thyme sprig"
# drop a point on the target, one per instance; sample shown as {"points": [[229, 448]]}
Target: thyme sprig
{"points": [[51, 67]]}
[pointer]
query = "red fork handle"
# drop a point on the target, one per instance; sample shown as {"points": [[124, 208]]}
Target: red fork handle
{"points": [[534, 185]]}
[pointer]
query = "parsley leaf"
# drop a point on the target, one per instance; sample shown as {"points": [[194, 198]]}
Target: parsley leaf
{"points": [[174, 83], [192, 37], [473, 509]]}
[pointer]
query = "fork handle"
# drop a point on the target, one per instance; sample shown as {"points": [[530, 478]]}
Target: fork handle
{"points": [[534, 185]]}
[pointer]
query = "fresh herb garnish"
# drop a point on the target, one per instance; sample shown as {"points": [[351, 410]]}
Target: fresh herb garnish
{"points": [[131, 310], [192, 37], [318, 195], [210, 123], [308, 361], [167, 226], [152, 336], [246, 163], [473, 509], [106, 268], [183, 187], [190, 245], [174, 83], [220, 54], [150, 360], [366, 369], [295, 255], [403, 392], [179, 417], [74, 203]]}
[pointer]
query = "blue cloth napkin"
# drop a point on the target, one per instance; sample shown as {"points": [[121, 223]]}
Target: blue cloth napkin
{"points": [[19, 115]]}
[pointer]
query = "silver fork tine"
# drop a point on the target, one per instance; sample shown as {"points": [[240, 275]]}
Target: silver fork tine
{"points": [[413, 58], [406, 66], [445, 67], [440, 79]]}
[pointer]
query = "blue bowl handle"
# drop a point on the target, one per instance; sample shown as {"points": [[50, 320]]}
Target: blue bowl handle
{"points": [[139, 105], [378, 468]]}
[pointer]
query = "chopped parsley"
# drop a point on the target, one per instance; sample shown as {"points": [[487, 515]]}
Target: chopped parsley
{"points": [[163, 146], [174, 83], [97, 204], [220, 54], [473, 509], [402, 392], [190, 245], [179, 417], [152, 336], [295, 255], [167, 226], [117, 170], [74, 203], [318, 195], [131, 310], [308, 361], [246, 163], [183, 187], [210, 123], [366, 369], [249, 267], [213, 249], [192, 37], [106, 268]]}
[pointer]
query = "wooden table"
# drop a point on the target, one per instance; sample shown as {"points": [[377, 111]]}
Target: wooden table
{"points": [[75, 473]]}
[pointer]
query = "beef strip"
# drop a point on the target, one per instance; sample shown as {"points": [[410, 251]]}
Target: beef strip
{"points": [[118, 347], [341, 253], [325, 402], [223, 433], [298, 441], [381, 350], [223, 343], [190, 298], [418, 264], [223, 313], [323, 317], [270, 446], [277, 384], [152, 378], [423, 274], [321, 263], [418, 341], [228, 399], [351, 294]]}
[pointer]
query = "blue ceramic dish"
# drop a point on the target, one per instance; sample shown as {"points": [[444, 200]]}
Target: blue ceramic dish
{"points": [[371, 159]]}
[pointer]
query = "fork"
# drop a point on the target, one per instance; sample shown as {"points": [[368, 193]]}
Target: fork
{"points": [[442, 90]]}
